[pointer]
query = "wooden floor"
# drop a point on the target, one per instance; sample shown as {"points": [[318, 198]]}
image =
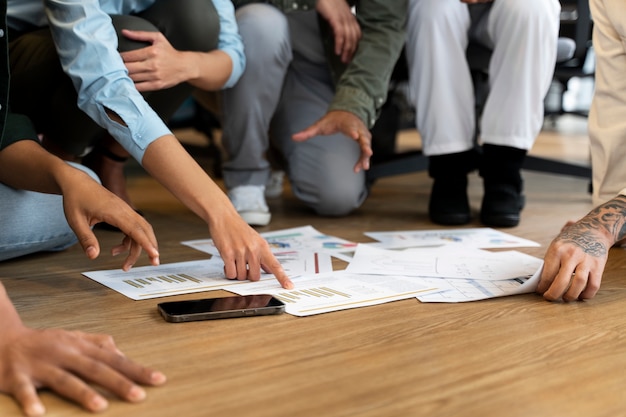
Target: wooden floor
{"points": [[514, 356]]}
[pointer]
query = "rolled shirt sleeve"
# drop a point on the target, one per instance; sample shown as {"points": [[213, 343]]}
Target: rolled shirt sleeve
{"points": [[230, 41], [87, 46]]}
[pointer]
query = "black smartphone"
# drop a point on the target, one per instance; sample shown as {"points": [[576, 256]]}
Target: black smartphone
{"points": [[221, 308]]}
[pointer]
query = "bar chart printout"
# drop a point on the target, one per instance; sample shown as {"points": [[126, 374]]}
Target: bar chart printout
{"points": [[164, 280], [204, 275], [320, 292], [141, 283], [339, 290]]}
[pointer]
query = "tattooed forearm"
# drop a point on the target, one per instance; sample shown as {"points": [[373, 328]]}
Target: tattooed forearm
{"points": [[609, 219], [613, 217]]}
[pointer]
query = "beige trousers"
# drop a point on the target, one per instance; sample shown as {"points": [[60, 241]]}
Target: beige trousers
{"points": [[607, 116]]}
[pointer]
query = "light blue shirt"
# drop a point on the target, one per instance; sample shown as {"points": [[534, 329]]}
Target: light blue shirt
{"points": [[87, 46]]}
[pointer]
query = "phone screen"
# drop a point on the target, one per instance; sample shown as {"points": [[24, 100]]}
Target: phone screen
{"points": [[223, 307]]}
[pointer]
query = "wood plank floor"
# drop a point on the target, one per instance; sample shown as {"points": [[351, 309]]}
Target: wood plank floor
{"points": [[513, 356]]}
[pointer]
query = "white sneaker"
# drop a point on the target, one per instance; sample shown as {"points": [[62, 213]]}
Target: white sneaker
{"points": [[274, 186], [249, 201]]}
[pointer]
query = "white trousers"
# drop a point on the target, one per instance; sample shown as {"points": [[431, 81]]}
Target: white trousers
{"points": [[607, 116], [523, 34]]}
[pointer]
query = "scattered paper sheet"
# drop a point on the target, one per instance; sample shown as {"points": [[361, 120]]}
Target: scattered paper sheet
{"points": [[440, 266], [449, 262], [480, 237], [195, 276], [340, 290], [474, 290], [304, 238]]}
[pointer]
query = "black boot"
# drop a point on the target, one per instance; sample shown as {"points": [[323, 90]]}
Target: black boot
{"points": [[503, 199], [449, 204]]}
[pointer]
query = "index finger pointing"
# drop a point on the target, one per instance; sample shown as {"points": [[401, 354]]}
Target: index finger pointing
{"points": [[278, 271]]}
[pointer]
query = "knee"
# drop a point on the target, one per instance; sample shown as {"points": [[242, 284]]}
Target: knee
{"points": [[337, 198], [195, 26], [188, 25], [265, 34], [121, 22], [337, 203], [433, 13], [529, 13], [327, 191], [436, 21]]}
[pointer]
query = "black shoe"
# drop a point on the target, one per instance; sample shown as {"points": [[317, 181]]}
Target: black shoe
{"points": [[501, 168], [449, 205], [502, 204]]}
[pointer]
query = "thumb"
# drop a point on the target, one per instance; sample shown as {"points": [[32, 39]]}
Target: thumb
{"points": [[307, 133], [138, 35]]}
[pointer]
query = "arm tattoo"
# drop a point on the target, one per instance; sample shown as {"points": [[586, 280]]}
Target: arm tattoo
{"points": [[583, 236], [609, 217], [612, 216]]}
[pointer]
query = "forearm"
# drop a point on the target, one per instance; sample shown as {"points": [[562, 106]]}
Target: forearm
{"points": [[168, 162], [608, 220], [209, 71], [25, 165], [612, 215], [363, 85]]}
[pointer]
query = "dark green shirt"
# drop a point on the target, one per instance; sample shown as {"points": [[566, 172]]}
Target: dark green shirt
{"points": [[13, 127]]}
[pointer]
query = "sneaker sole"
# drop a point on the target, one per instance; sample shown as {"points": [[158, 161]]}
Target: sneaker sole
{"points": [[255, 218]]}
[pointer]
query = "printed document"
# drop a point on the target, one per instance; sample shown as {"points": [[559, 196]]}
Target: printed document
{"points": [[340, 290], [196, 276], [480, 237]]}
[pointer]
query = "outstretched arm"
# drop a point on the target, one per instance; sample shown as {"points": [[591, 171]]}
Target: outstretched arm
{"points": [[244, 251], [362, 87], [576, 258]]}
